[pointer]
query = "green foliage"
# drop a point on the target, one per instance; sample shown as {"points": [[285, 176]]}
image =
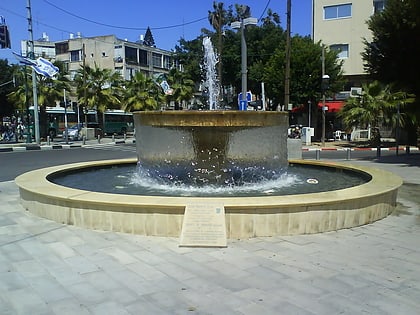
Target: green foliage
{"points": [[190, 55], [49, 90], [141, 93], [376, 106], [7, 72], [98, 88], [305, 71], [393, 54], [182, 86]]}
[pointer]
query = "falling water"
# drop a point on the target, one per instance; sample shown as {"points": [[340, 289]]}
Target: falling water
{"points": [[210, 61]]}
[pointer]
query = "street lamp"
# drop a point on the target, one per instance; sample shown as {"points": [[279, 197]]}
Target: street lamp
{"points": [[241, 25]]}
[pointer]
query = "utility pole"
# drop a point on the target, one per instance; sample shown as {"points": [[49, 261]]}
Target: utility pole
{"points": [[323, 96], [31, 55], [287, 67]]}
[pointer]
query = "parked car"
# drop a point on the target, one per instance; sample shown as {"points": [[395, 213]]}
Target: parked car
{"points": [[73, 132]]}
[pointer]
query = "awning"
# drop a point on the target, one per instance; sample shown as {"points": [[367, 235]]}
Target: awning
{"points": [[332, 106], [298, 109]]}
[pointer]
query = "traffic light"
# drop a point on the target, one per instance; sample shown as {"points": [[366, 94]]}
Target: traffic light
{"points": [[4, 36]]}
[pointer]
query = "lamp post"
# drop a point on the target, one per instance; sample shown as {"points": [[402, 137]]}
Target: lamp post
{"points": [[241, 25]]}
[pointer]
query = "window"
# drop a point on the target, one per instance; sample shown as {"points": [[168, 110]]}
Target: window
{"points": [[341, 49], [157, 60], [61, 48], [143, 58], [378, 5], [75, 55], [337, 11], [131, 54], [166, 62]]}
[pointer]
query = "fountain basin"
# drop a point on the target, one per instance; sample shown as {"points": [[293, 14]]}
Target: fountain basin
{"points": [[245, 216]]}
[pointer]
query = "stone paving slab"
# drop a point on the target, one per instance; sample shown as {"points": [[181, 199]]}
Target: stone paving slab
{"points": [[48, 268]]}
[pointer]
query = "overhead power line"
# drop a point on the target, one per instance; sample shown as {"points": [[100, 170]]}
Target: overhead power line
{"points": [[123, 27], [265, 9]]}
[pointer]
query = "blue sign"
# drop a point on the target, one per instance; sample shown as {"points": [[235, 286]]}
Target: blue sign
{"points": [[248, 97]]}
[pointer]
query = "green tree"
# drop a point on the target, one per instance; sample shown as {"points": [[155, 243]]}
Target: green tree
{"points": [[377, 106], [190, 55], [392, 55], [219, 19], [98, 88], [262, 41], [305, 72], [7, 75], [182, 87], [141, 93]]}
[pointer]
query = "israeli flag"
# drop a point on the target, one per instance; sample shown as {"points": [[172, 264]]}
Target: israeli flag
{"points": [[41, 66], [45, 68], [24, 60]]}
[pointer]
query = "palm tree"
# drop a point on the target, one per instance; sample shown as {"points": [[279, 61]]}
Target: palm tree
{"points": [[98, 88], [141, 93], [377, 106], [182, 86], [218, 18], [50, 90]]}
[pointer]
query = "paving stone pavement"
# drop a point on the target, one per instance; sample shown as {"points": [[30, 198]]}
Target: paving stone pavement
{"points": [[47, 268]]}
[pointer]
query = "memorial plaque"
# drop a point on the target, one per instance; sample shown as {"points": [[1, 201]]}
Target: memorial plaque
{"points": [[204, 225]]}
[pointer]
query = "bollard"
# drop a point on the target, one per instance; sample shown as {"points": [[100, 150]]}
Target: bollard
{"points": [[407, 149], [99, 139], [317, 154], [378, 152], [348, 157], [48, 140], [125, 136], [113, 138]]}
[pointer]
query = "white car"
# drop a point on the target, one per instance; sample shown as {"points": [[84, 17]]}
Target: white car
{"points": [[73, 132]]}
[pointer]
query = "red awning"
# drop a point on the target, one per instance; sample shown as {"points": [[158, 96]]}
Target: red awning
{"points": [[298, 109], [332, 106]]}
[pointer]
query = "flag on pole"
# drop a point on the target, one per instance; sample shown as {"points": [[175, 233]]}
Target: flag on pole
{"points": [[41, 66], [45, 68], [24, 60]]}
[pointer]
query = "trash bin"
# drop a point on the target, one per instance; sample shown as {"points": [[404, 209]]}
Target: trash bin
{"points": [[307, 133]]}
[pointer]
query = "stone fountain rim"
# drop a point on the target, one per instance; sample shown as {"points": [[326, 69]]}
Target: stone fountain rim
{"points": [[36, 182]]}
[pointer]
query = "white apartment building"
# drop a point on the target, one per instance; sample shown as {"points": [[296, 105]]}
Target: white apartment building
{"points": [[341, 25]]}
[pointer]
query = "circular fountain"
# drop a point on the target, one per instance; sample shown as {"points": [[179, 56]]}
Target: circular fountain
{"points": [[211, 141]]}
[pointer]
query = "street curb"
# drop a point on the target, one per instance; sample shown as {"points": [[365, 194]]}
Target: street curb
{"points": [[39, 147], [35, 147], [362, 149]]}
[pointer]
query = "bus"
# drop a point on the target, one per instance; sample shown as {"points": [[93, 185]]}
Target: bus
{"points": [[117, 122], [56, 118], [52, 120]]}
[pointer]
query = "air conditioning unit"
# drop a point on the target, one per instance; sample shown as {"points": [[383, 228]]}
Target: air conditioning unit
{"points": [[355, 91]]}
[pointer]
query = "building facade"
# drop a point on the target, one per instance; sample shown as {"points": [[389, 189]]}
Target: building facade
{"points": [[341, 25], [106, 52]]}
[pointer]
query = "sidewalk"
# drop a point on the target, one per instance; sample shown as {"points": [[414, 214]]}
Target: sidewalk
{"points": [[48, 268], [59, 144]]}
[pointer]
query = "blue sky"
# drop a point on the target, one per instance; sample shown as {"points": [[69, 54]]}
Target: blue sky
{"points": [[169, 19]]}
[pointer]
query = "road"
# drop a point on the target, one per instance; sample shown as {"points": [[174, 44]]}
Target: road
{"points": [[17, 162]]}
